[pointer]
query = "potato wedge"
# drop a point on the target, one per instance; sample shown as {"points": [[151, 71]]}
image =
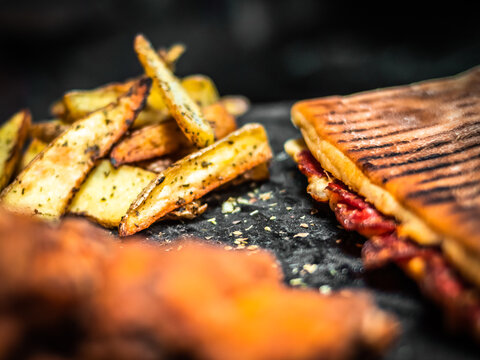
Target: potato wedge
{"points": [[197, 174], [107, 193], [35, 147], [12, 137], [80, 103], [188, 212], [201, 89], [167, 138], [172, 55], [46, 186], [149, 142], [260, 172], [184, 110], [58, 110], [46, 131], [222, 122], [236, 105]]}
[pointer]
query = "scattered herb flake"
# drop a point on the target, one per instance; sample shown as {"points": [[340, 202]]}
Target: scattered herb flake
{"points": [[325, 289], [266, 196], [242, 200], [228, 206], [301, 235], [310, 268], [297, 282]]}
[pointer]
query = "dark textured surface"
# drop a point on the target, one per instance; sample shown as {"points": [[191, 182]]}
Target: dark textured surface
{"points": [[335, 252]]}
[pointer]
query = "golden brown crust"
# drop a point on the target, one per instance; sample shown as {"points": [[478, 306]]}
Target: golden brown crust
{"points": [[419, 142]]}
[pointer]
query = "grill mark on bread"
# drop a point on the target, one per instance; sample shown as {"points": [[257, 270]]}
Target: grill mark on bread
{"points": [[465, 104], [433, 167], [449, 198], [351, 130], [401, 153], [465, 126], [450, 175], [427, 157], [442, 189], [379, 136], [380, 146]]}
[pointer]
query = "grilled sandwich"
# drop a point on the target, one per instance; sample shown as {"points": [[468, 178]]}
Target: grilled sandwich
{"points": [[402, 167]]}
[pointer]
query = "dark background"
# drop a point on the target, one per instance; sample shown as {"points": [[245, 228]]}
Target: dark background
{"points": [[270, 51], [267, 50]]}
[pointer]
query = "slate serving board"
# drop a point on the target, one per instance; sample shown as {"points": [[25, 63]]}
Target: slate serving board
{"points": [[312, 249]]}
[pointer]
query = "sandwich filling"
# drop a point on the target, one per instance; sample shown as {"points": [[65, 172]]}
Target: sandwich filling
{"points": [[386, 243]]}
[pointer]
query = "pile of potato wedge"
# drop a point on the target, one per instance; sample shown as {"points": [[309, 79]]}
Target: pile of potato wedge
{"points": [[130, 153]]}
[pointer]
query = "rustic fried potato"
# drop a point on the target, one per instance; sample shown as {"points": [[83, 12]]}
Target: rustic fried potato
{"points": [[197, 174], [189, 211], [166, 138], [107, 192], [260, 172], [222, 122], [149, 142], [172, 55], [12, 137], [80, 103], [156, 165], [236, 105], [201, 88], [35, 147], [58, 109], [46, 186], [48, 130], [77, 104], [184, 110]]}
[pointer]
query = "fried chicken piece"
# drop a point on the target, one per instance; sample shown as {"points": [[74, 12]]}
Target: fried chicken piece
{"points": [[135, 300]]}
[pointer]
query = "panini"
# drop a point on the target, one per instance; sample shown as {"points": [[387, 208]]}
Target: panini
{"points": [[413, 152]]}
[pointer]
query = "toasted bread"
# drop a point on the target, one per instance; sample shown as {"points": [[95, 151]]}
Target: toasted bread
{"points": [[412, 151]]}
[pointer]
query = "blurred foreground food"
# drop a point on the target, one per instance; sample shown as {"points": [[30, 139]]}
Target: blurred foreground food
{"points": [[76, 292]]}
